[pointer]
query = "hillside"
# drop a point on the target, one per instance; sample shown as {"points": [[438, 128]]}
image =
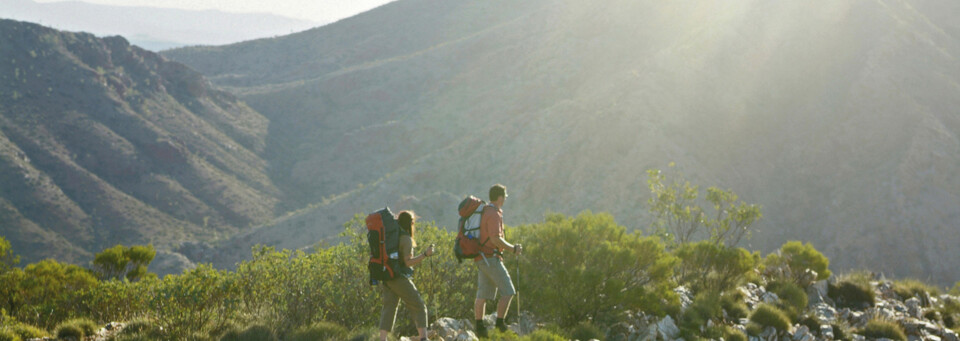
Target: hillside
{"points": [[838, 118], [102, 143], [153, 28]]}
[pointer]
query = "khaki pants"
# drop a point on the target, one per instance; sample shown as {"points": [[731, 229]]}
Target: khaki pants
{"points": [[395, 290], [492, 276]]}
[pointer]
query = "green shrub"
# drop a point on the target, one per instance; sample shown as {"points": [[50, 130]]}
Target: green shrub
{"points": [[732, 302], [256, 332], [950, 313], [793, 300], [705, 307], [590, 257], [854, 292], [319, 331], [793, 259], [754, 329], [87, 325], [586, 331], [8, 335], [706, 266], [908, 288], [496, 335], [770, 316], [841, 332], [137, 326], [70, 331], [26, 331], [879, 328], [543, 335]]}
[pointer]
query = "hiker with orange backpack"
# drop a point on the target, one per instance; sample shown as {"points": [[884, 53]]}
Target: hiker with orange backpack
{"points": [[401, 287], [492, 274]]}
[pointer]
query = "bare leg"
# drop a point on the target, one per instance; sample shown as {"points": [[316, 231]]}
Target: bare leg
{"points": [[479, 308], [383, 335], [503, 306]]}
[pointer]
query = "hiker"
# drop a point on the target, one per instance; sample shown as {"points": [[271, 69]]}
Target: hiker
{"points": [[492, 275], [401, 287]]}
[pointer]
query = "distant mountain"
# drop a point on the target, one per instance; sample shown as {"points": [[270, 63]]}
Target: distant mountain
{"points": [[153, 28], [102, 142], [840, 118]]}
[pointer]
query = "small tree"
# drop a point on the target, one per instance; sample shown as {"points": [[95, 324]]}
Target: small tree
{"points": [[122, 262], [681, 217], [7, 259]]}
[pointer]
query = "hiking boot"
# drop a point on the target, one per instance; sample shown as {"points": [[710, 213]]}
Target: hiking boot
{"points": [[482, 332], [502, 327]]}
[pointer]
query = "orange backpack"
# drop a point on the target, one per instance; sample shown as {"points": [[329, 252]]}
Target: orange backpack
{"points": [[383, 235], [467, 245]]}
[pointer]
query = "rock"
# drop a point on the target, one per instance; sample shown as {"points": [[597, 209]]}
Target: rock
{"points": [[770, 297], [886, 290], [809, 277], [913, 308], [686, 297], [931, 338], [948, 335], [826, 331], [525, 324], [769, 333], [667, 328], [802, 333], [817, 293], [858, 337], [824, 312], [447, 328], [467, 336]]}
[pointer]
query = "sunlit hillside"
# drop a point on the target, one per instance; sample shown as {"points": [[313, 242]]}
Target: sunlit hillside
{"points": [[838, 117]]}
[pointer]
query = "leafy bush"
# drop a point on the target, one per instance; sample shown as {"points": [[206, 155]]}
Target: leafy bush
{"points": [[318, 332], [793, 259], [26, 331], [707, 266], [199, 300], [115, 300], [124, 262], [87, 325], [852, 294], [770, 316], [596, 261], [793, 300], [70, 331], [40, 292], [586, 331], [908, 288], [879, 328], [705, 307], [8, 335]]}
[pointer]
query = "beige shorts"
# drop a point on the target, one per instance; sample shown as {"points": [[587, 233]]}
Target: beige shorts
{"points": [[492, 275]]}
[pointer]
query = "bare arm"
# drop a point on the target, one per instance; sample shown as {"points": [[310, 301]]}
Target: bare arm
{"points": [[410, 261]]}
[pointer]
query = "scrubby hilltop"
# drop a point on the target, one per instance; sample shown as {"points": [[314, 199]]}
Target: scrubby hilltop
{"points": [[102, 142], [838, 117]]}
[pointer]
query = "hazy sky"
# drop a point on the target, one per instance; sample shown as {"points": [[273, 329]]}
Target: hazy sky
{"points": [[314, 10]]}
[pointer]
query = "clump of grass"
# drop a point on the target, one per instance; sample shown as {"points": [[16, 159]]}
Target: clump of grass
{"points": [[87, 325], [908, 288], [732, 303], [880, 328], [770, 316], [69, 332], [731, 334], [543, 335], [793, 300], [853, 291]]}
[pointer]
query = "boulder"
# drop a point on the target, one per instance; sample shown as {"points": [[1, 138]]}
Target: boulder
{"points": [[686, 296], [824, 312], [948, 335], [467, 336], [826, 331], [667, 328], [809, 277], [770, 297], [913, 308], [817, 293]]}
